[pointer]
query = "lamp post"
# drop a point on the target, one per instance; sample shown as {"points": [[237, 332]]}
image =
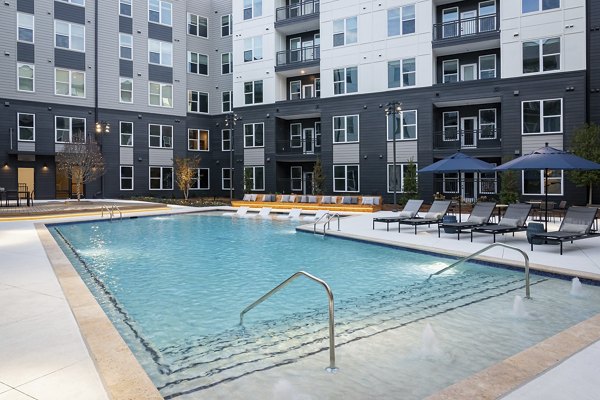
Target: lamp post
{"points": [[393, 108], [102, 128], [230, 121]]}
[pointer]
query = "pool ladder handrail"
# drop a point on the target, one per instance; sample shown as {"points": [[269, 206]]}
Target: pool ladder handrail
{"points": [[467, 258], [327, 223], [332, 367], [111, 211]]}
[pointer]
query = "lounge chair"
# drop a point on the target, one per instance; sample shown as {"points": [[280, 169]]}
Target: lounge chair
{"points": [[294, 214], [436, 212], [479, 216], [576, 225], [241, 212], [317, 216], [514, 220], [410, 210], [263, 213]]}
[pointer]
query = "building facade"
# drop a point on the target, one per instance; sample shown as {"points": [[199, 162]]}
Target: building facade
{"points": [[308, 80]]}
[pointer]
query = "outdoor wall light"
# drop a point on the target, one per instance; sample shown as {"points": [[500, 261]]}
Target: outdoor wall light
{"points": [[45, 167], [516, 93], [5, 165], [380, 156], [140, 159], [365, 156]]}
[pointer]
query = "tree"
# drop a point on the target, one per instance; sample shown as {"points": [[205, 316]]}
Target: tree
{"points": [[186, 171], [248, 180], [318, 178], [410, 188], [508, 193], [81, 163], [586, 143]]}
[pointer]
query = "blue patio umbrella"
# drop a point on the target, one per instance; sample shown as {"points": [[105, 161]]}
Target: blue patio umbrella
{"points": [[547, 158], [458, 162]]}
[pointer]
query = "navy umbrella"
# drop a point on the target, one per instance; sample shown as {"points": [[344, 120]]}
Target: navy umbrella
{"points": [[458, 162], [546, 158]]}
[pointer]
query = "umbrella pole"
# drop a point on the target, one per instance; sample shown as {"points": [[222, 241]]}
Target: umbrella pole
{"points": [[459, 196], [546, 197]]}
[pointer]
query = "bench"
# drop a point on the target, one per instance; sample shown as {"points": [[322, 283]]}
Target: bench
{"points": [[310, 202]]}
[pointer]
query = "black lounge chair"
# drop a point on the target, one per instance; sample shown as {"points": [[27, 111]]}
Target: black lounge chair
{"points": [[479, 216], [410, 210], [436, 212], [514, 220], [576, 225]]}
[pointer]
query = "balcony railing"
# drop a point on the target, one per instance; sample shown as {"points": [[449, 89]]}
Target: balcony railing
{"points": [[465, 27], [298, 56], [299, 9], [453, 139], [310, 144]]}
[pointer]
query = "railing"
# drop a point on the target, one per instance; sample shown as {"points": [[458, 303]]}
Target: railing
{"points": [[299, 146], [111, 211], [465, 27], [297, 56], [453, 138], [327, 224], [462, 260], [332, 367], [299, 9]]}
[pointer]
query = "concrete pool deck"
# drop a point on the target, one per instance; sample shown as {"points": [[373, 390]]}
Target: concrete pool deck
{"points": [[44, 356]]}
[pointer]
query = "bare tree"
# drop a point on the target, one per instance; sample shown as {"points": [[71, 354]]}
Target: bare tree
{"points": [[81, 162], [186, 171]]}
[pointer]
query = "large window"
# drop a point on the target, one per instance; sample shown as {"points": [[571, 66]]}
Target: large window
{"points": [[253, 92], [125, 8], [197, 101], [252, 9], [487, 124], [160, 94], [126, 172], [200, 179], [69, 130], [197, 25], [226, 25], [255, 178], [450, 71], [402, 73], [197, 63], [160, 12], [26, 127], [542, 116], [69, 83], [161, 178], [405, 124], [226, 140], [126, 90], [401, 20], [402, 171], [533, 182], [487, 66], [226, 178], [296, 179], [345, 178], [160, 136], [345, 31], [541, 55], [226, 63], [295, 135], [69, 36], [450, 126], [345, 129], [254, 135], [345, 80], [226, 101], [126, 133], [295, 90], [125, 46], [253, 49], [25, 27], [26, 77], [198, 140], [160, 53], [539, 5]]}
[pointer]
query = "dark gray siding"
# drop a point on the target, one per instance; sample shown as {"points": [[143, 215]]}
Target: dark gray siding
{"points": [[158, 73], [69, 12], [69, 59], [26, 6], [160, 32], [25, 52], [125, 24], [126, 68]]}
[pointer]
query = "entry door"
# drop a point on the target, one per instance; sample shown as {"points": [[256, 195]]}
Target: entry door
{"points": [[468, 126], [308, 183], [308, 51], [468, 72], [469, 187], [307, 91], [309, 140], [295, 49], [468, 24], [26, 177]]}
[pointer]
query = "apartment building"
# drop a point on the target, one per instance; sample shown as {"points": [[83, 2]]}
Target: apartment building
{"points": [[307, 80]]}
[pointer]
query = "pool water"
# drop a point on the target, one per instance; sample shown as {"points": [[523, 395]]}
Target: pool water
{"points": [[174, 287]]}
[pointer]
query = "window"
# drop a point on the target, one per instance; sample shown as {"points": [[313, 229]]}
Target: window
{"points": [[226, 178], [405, 124], [254, 135], [76, 2], [161, 136], [226, 102], [161, 94], [317, 134], [345, 80], [197, 101], [256, 177], [197, 63], [226, 25], [161, 178], [541, 55], [533, 182], [295, 90], [69, 83], [126, 90], [345, 178], [226, 140], [252, 9], [402, 73], [539, 5], [126, 177], [226, 63], [26, 126], [450, 182], [542, 116], [450, 71], [401, 20], [160, 53], [25, 27], [197, 26], [26, 77], [345, 129], [487, 183], [69, 130], [160, 12], [200, 180], [197, 140], [296, 179], [487, 124], [125, 8], [126, 133], [317, 87], [450, 126], [125, 46], [345, 31], [253, 92], [487, 66], [402, 171], [487, 16], [295, 135], [69, 36], [253, 49]]}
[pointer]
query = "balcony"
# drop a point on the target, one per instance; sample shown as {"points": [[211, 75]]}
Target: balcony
{"points": [[298, 149], [480, 33], [304, 58], [299, 17], [453, 139]]}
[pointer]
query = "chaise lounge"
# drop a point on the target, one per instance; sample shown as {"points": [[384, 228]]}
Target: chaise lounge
{"points": [[514, 220], [436, 212], [410, 210], [479, 216]]}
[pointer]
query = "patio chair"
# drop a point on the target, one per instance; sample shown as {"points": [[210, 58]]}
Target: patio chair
{"points": [[479, 216], [263, 213], [436, 212], [576, 225], [317, 216], [410, 210], [514, 220], [239, 213], [294, 214]]}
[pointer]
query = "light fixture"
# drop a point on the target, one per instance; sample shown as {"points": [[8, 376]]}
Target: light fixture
{"points": [[102, 127], [5, 164], [45, 167]]}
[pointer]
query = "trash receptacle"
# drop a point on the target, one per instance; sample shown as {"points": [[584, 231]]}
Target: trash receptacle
{"points": [[449, 219], [532, 229]]}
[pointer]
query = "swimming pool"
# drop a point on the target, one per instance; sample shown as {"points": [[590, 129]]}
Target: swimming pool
{"points": [[174, 287]]}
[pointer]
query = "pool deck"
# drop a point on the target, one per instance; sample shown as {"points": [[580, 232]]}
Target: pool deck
{"points": [[44, 355]]}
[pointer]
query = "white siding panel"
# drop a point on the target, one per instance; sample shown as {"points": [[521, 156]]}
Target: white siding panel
{"points": [[126, 156], [346, 153], [534, 142], [254, 156], [405, 150], [26, 146], [161, 157]]}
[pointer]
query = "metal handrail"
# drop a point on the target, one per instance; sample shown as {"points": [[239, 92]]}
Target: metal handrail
{"points": [[462, 260], [319, 220], [111, 211], [332, 367], [328, 222], [115, 207], [108, 211], [297, 10]]}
